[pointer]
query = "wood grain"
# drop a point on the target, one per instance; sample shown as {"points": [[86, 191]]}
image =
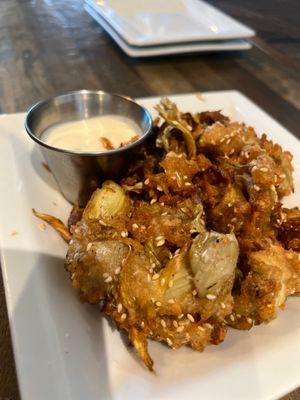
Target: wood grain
{"points": [[49, 47]]}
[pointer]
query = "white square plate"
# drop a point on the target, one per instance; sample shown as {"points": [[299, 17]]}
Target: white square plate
{"points": [[65, 350], [154, 22], [154, 51]]}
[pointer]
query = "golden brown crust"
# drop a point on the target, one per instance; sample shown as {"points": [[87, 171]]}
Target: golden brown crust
{"points": [[205, 173]]}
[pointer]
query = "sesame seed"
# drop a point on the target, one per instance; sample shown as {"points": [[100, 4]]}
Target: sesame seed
{"points": [[264, 169], [180, 328], [171, 301], [164, 213], [185, 177], [232, 317], [162, 282], [159, 188], [188, 184], [193, 231], [255, 187], [148, 277], [194, 292], [142, 324], [254, 168], [281, 176], [180, 316], [119, 308], [160, 243], [135, 226], [175, 323], [159, 238], [155, 277], [171, 282], [163, 323], [147, 181], [238, 315], [105, 275], [209, 326], [169, 341], [108, 279], [249, 320], [190, 317], [223, 306], [123, 316], [117, 270], [158, 303], [88, 247], [124, 234], [211, 296], [153, 201], [201, 328]]}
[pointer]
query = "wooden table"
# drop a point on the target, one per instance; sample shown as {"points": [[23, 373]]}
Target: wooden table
{"points": [[48, 47]]}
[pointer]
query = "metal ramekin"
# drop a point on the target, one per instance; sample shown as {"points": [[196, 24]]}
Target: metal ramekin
{"points": [[79, 173]]}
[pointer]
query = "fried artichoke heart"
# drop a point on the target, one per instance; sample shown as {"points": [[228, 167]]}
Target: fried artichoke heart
{"points": [[195, 238], [151, 282]]}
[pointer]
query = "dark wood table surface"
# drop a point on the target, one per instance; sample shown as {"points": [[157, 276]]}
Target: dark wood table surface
{"points": [[49, 47]]}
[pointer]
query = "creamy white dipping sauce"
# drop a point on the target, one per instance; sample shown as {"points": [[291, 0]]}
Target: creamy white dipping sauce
{"points": [[88, 134]]}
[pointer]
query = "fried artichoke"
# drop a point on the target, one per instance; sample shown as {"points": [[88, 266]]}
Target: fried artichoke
{"points": [[194, 238]]}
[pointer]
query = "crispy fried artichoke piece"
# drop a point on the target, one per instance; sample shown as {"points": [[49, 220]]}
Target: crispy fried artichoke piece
{"points": [[173, 117], [56, 224], [213, 257], [97, 248], [289, 229], [274, 275], [141, 305], [108, 204], [147, 289]]}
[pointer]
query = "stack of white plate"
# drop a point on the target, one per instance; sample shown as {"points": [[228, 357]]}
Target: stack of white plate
{"points": [[144, 28]]}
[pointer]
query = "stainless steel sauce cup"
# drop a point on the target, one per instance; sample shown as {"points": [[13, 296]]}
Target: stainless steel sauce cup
{"points": [[78, 173]]}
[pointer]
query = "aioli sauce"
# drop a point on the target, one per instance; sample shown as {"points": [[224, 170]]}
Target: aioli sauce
{"points": [[93, 134]]}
